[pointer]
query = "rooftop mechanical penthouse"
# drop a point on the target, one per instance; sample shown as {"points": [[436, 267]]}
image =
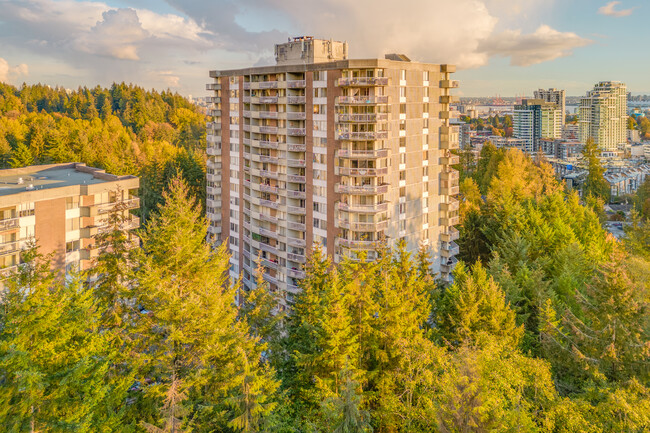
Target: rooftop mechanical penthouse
{"points": [[322, 149]]}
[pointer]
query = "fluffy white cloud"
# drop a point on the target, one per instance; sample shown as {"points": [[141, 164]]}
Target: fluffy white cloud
{"points": [[524, 50], [7, 72], [610, 10], [117, 35]]}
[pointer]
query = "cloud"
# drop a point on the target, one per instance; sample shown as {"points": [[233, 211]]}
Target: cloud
{"points": [[100, 43], [7, 72], [543, 45], [610, 10], [117, 35]]}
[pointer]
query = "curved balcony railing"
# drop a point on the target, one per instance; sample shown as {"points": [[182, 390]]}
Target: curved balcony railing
{"points": [[342, 100], [362, 118], [361, 189], [363, 227], [362, 81], [347, 171], [362, 208], [357, 154], [347, 243], [366, 135]]}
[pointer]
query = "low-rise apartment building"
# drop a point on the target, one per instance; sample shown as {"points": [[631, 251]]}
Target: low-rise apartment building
{"points": [[61, 207]]}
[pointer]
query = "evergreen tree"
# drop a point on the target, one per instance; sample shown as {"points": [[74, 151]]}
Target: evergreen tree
{"points": [[196, 356], [595, 184]]}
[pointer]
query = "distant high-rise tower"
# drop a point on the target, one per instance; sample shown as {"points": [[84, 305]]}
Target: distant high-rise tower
{"points": [[534, 119], [602, 115], [554, 96], [323, 150]]}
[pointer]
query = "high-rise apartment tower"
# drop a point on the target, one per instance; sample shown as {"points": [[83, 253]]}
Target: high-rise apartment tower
{"points": [[323, 150], [554, 96], [535, 119], [602, 115]]}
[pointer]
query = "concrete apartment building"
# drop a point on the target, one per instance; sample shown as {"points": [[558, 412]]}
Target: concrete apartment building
{"points": [[535, 119], [62, 207], [322, 149], [554, 96], [602, 115]]}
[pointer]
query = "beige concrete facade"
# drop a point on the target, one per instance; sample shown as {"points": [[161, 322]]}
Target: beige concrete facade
{"points": [[344, 154], [61, 207], [602, 116]]}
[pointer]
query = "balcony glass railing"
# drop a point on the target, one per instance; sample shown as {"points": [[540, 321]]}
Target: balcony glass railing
{"points": [[366, 135], [362, 99], [362, 81], [371, 208]]}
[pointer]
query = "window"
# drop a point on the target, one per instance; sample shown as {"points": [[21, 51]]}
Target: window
{"points": [[402, 74], [425, 108], [71, 246], [402, 125], [71, 202], [402, 191], [425, 76], [316, 222], [72, 224], [402, 108], [426, 92], [402, 175], [425, 202], [402, 225], [402, 208], [402, 92], [426, 124], [425, 171], [234, 227], [425, 155], [402, 158]]}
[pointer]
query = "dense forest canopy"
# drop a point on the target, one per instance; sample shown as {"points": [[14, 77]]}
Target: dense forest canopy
{"points": [[545, 329], [124, 129]]}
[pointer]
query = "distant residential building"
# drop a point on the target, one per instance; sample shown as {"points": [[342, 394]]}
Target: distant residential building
{"points": [[535, 119], [602, 116], [509, 143], [324, 150], [571, 131], [62, 207], [628, 181], [554, 96], [633, 136], [561, 149]]}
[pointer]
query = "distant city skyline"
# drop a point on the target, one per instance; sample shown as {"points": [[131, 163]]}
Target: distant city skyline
{"points": [[505, 48]]}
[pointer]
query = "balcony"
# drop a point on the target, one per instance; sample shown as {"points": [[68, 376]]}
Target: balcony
{"points": [[363, 227], [295, 273], [362, 245], [451, 159], [269, 264], [296, 115], [268, 129], [296, 226], [265, 158], [268, 218], [269, 174], [267, 84], [296, 210], [269, 279], [268, 99], [345, 100], [362, 118], [296, 84], [270, 203], [132, 203], [362, 208], [296, 242], [452, 234], [295, 194], [214, 112], [450, 221], [451, 206], [296, 163], [447, 265], [266, 144], [449, 84], [362, 154], [268, 188], [368, 135], [296, 257], [213, 86], [448, 99], [296, 178], [214, 230], [296, 99], [9, 248], [8, 271], [8, 224], [362, 81], [268, 248], [213, 151], [449, 175], [449, 189], [296, 147], [347, 171], [267, 233], [448, 142], [296, 132], [268, 114], [449, 249], [214, 99], [361, 189]]}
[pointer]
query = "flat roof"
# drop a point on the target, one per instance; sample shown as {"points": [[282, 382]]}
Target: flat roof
{"points": [[40, 177]]}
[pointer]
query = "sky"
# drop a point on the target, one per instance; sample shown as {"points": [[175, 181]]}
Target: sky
{"points": [[501, 47]]}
